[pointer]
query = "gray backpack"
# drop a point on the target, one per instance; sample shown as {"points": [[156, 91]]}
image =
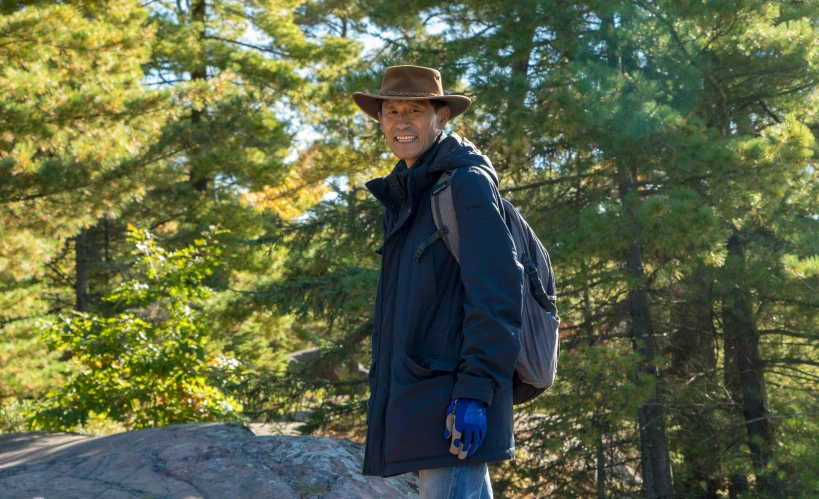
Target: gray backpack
{"points": [[537, 361]]}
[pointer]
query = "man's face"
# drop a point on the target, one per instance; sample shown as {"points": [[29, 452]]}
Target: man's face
{"points": [[410, 126]]}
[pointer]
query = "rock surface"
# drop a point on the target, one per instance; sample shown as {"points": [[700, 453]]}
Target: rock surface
{"points": [[206, 461]]}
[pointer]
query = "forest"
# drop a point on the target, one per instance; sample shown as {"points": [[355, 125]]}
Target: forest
{"points": [[185, 234]]}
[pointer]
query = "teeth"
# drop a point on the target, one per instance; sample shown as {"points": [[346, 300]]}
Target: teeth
{"points": [[405, 138]]}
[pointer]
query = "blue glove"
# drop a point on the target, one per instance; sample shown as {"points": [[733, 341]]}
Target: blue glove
{"points": [[466, 424]]}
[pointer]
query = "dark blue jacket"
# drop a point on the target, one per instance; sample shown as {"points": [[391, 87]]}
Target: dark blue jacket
{"points": [[442, 330]]}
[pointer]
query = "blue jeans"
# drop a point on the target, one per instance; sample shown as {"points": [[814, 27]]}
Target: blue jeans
{"points": [[457, 482]]}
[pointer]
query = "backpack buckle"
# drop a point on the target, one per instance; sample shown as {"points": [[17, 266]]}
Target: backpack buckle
{"points": [[530, 268]]}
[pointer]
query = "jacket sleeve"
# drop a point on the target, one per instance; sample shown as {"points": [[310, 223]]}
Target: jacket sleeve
{"points": [[493, 287]]}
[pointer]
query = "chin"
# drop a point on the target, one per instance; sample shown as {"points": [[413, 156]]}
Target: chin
{"points": [[414, 149], [406, 155]]}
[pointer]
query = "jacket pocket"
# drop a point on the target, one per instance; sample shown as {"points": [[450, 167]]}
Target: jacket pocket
{"points": [[425, 365]]}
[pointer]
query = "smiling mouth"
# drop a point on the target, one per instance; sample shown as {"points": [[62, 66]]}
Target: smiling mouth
{"points": [[404, 139]]}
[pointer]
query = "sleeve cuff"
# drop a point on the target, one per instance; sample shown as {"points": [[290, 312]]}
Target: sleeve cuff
{"points": [[471, 387]]}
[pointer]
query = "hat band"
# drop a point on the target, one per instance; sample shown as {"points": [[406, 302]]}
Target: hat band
{"points": [[411, 94]]}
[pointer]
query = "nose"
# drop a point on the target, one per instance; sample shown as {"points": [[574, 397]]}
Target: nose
{"points": [[404, 120]]}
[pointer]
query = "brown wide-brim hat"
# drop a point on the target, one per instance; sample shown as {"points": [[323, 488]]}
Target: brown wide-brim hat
{"points": [[410, 83]]}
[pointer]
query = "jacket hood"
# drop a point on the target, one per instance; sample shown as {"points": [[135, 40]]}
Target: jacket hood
{"points": [[457, 152]]}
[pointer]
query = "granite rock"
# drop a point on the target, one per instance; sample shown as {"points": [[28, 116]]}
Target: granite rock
{"points": [[206, 461]]}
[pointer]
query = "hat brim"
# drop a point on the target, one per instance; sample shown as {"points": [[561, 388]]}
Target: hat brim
{"points": [[371, 105]]}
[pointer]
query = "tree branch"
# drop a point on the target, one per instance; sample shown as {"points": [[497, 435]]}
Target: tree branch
{"points": [[550, 181]]}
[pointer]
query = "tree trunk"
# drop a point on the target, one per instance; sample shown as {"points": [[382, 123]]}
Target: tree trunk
{"points": [[694, 363], [199, 179], [693, 339], [600, 422], [652, 416], [81, 271], [106, 246], [80, 280], [513, 126], [737, 486], [739, 326], [645, 456], [601, 468], [657, 479]]}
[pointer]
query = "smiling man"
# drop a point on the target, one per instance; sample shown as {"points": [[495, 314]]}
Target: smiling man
{"points": [[445, 338]]}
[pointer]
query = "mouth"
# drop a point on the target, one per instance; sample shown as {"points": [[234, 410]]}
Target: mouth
{"points": [[405, 139]]}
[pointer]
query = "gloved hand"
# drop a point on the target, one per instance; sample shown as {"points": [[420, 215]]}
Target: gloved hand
{"points": [[466, 424]]}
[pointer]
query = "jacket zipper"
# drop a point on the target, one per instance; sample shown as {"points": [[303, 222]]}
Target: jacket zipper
{"points": [[407, 201], [394, 230], [398, 224]]}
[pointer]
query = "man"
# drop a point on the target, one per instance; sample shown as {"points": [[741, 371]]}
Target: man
{"points": [[446, 335]]}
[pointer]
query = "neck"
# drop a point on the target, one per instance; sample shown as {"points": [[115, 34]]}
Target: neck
{"points": [[411, 162]]}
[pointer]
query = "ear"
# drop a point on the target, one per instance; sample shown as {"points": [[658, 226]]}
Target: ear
{"points": [[443, 117]]}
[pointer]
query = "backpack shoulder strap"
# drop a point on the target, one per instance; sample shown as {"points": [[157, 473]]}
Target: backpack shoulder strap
{"points": [[443, 212]]}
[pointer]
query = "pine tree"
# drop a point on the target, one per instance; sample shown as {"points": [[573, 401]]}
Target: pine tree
{"points": [[76, 120], [246, 79], [215, 149]]}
